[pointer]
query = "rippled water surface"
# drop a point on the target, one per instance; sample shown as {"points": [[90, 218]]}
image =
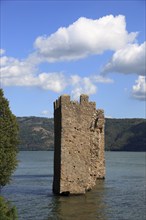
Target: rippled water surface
{"points": [[121, 196]]}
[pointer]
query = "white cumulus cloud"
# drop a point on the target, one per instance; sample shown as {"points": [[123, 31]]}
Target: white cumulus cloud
{"points": [[45, 112], [84, 37], [52, 81], [102, 79], [84, 86], [2, 51], [130, 59], [16, 72], [139, 89]]}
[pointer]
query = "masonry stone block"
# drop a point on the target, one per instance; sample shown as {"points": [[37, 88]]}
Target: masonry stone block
{"points": [[79, 145]]}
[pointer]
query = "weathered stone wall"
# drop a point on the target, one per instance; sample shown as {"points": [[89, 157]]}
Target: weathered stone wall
{"points": [[79, 145]]}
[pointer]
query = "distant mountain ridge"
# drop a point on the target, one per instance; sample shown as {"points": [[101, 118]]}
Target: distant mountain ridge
{"points": [[125, 134], [37, 133]]}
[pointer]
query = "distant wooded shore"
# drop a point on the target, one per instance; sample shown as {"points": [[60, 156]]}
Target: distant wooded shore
{"points": [[37, 133]]}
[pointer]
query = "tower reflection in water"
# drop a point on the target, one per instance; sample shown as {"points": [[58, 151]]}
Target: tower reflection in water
{"points": [[90, 206]]}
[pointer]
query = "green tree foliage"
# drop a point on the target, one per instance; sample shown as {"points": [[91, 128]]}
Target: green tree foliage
{"points": [[8, 141], [7, 212]]}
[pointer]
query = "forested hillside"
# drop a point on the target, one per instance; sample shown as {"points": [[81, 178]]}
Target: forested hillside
{"points": [[125, 134], [120, 134], [36, 133]]}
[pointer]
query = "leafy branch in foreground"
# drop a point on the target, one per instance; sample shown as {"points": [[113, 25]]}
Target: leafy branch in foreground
{"points": [[7, 212], [8, 141]]}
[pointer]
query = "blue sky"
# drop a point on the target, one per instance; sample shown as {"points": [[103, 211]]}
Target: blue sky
{"points": [[50, 48]]}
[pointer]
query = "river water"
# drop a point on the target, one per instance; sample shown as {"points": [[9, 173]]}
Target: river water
{"points": [[121, 196]]}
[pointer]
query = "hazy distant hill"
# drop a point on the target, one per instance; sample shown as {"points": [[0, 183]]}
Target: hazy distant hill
{"points": [[36, 133], [125, 134], [120, 134]]}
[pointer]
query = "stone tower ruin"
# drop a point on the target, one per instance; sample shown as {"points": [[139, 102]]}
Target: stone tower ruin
{"points": [[79, 145]]}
